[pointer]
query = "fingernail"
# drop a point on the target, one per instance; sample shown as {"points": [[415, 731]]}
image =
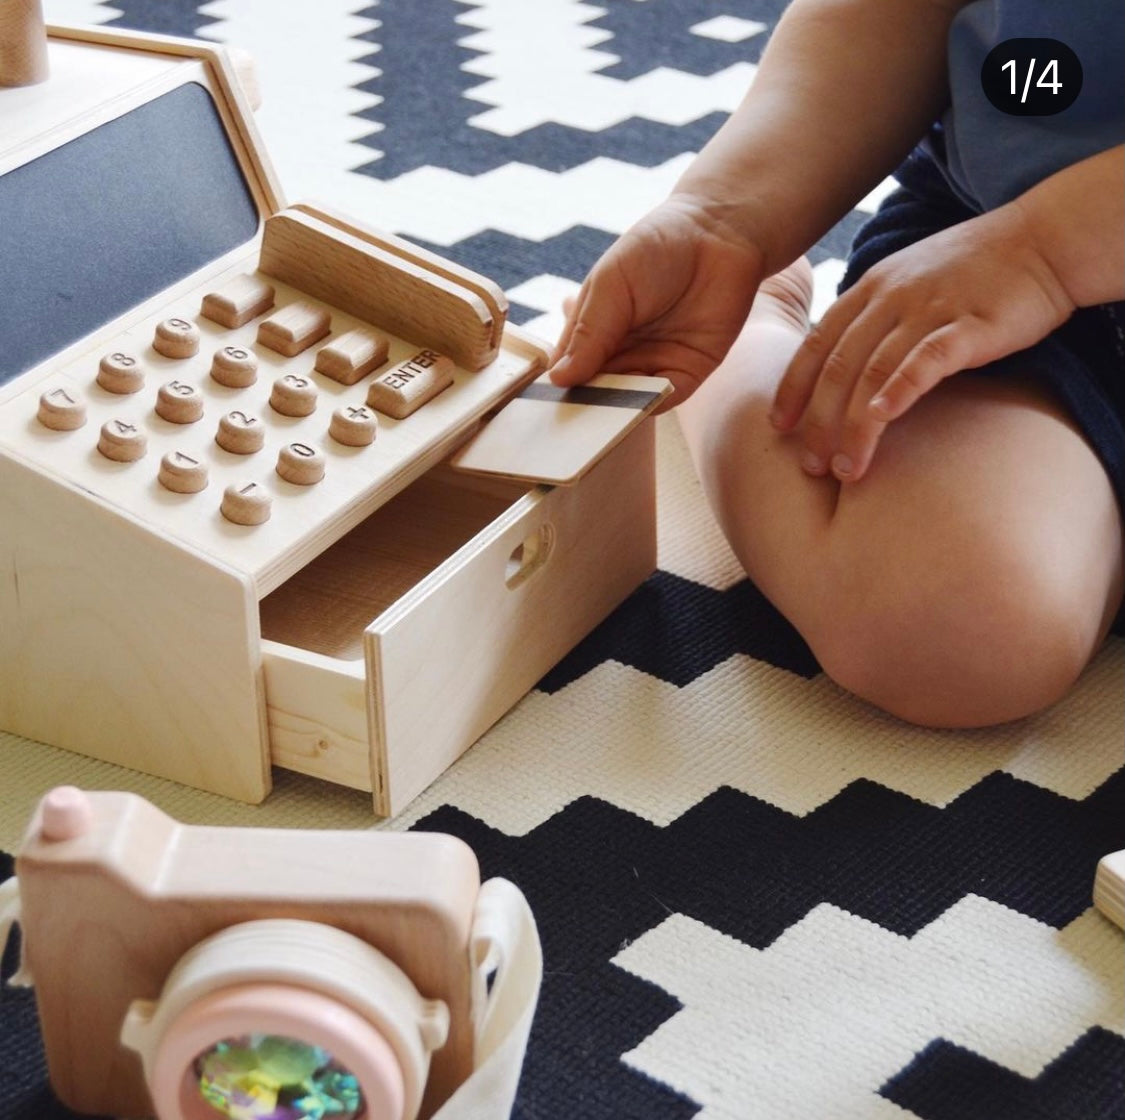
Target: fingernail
{"points": [[880, 406], [812, 463], [777, 417], [560, 367], [842, 466]]}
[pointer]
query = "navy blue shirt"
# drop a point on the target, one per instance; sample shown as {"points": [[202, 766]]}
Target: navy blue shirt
{"points": [[989, 156]]}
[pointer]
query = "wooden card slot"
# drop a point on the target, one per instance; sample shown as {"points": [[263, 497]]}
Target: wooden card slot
{"points": [[490, 293], [381, 288]]}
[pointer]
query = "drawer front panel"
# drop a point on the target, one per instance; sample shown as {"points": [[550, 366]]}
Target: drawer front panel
{"points": [[468, 642]]}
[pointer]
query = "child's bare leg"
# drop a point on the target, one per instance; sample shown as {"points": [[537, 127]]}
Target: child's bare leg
{"points": [[967, 580]]}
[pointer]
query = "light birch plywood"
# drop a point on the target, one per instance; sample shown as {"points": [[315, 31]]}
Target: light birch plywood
{"points": [[124, 646], [317, 712], [497, 583], [459, 650], [328, 605], [313, 626], [107, 913], [304, 520]]}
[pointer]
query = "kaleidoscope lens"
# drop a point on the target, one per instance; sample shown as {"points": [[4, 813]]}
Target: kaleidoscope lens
{"points": [[270, 1077]]}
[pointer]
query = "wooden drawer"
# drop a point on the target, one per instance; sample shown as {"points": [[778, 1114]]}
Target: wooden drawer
{"points": [[392, 652]]}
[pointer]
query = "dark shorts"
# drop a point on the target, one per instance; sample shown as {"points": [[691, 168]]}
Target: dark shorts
{"points": [[1082, 363]]}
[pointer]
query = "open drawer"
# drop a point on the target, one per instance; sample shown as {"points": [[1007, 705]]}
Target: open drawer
{"points": [[391, 653]]}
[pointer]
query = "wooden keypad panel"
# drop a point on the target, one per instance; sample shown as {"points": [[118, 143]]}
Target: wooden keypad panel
{"points": [[251, 422]]}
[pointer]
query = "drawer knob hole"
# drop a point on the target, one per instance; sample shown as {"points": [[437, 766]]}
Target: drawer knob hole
{"points": [[529, 556]]}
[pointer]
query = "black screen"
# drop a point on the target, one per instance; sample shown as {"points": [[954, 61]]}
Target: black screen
{"points": [[103, 222]]}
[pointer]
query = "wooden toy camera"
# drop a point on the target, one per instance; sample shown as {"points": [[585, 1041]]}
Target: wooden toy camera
{"points": [[206, 972], [230, 536]]}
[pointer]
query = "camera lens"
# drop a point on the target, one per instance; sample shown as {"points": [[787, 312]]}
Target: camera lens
{"points": [[312, 1023], [271, 1077]]}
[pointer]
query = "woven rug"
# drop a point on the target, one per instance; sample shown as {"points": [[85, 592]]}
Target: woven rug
{"points": [[758, 898]]}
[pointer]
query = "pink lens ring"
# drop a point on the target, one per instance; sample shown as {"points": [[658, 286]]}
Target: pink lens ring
{"points": [[275, 1052]]}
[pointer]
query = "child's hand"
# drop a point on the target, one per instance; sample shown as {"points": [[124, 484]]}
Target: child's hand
{"points": [[954, 301], [667, 299]]}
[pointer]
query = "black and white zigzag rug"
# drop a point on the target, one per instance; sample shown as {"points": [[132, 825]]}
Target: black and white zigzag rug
{"points": [[758, 899]]}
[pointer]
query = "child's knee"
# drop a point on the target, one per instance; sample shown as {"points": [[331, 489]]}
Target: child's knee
{"points": [[972, 652]]}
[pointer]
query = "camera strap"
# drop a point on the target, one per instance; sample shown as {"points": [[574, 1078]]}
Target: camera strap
{"points": [[9, 915], [509, 963]]}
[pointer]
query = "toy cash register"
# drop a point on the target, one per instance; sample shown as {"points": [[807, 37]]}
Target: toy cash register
{"points": [[230, 536]]}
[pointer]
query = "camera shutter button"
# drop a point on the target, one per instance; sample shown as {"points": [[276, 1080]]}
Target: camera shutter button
{"points": [[67, 814]]}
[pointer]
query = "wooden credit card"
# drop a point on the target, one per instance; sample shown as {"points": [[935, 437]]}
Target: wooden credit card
{"points": [[555, 435]]}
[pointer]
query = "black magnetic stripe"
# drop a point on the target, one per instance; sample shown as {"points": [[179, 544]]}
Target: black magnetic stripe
{"points": [[590, 394]]}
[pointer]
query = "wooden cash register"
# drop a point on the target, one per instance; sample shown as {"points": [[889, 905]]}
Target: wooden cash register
{"points": [[230, 533]]}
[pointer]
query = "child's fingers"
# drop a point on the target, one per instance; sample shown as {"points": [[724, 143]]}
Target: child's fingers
{"points": [[850, 463], [861, 429], [836, 385], [942, 352], [916, 365], [800, 378]]}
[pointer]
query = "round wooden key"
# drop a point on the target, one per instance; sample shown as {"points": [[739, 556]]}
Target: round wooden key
{"points": [[122, 442], [234, 367], [182, 474], [61, 410], [240, 433], [179, 402], [246, 503], [353, 425], [293, 396], [176, 338], [120, 373], [300, 463]]}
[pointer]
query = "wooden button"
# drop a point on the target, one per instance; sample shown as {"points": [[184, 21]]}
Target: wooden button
{"points": [[295, 328], [61, 410], [120, 373], [241, 433], [300, 463], [234, 367], [246, 503], [176, 338], [351, 356], [353, 425], [409, 385], [238, 301], [121, 441], [293, 396], [182, 473], [179, 402]]}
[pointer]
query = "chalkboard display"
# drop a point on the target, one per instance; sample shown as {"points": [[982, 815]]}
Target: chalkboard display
{"points": [[109, 219]]}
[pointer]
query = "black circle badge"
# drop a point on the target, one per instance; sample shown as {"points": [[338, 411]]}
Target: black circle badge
{"points": [[1031, 77]]}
